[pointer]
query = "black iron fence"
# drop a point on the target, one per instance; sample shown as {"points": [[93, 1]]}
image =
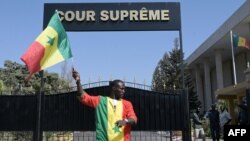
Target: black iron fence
{"points": [[65, 118]]}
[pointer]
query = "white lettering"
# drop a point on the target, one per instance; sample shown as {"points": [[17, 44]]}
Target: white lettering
{"points": [[90, 15], [143, 14], [237, 131], [133, 15], [104, 15], [61, 15], [243, 131], [114, 17], [154, 15], [231, 132], [165, 15], [69, 16], [124, 14], [80, 17]]}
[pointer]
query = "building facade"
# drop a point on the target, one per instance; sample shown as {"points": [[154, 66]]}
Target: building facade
{"points": [[212, 66]]}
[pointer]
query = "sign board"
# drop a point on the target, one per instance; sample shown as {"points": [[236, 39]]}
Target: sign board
{"points": [[116, 16]]}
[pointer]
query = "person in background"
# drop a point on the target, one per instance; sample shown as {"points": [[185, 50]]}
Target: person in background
{"points": [[225, 118], [214, 120], [197, 125], [243, 115]]}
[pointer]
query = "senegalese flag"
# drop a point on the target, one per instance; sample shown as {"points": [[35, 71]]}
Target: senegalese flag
{"points": [[50, 47], [239, 41]]}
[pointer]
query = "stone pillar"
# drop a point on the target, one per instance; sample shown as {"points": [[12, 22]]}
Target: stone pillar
{"points": [[247, 73], [231, 110], [219, 69], [208, 97], [199, 87]]}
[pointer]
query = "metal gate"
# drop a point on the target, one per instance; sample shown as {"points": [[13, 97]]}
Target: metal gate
{"points": [[63, 116]]}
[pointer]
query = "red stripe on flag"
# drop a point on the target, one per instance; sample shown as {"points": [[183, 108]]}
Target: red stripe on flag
{"points": [[33, 56], [248, 44]]}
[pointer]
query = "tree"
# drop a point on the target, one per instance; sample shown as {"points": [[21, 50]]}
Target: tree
{"points": [[159, 77], [14, 75], [66, 73], [2, 86], [167, 75], [192, 94]]}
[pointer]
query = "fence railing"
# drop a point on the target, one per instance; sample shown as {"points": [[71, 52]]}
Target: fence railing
{"points": [[73, 88], [158, 114]]}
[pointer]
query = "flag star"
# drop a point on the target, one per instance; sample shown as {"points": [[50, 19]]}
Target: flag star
{"points": [[116, 129], [50, 40]]}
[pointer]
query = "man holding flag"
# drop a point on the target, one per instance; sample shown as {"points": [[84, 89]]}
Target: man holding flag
{"points": [[114, 115]]}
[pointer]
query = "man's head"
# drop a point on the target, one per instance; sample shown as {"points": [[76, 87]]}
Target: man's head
{"points": [[213, 107], [198, 109], [117, 89]]}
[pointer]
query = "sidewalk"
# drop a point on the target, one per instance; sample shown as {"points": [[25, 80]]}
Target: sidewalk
{"points": [[207, 139]]}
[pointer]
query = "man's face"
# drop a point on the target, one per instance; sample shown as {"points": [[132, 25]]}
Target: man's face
{"points": [[119, 90], [198, 110]]}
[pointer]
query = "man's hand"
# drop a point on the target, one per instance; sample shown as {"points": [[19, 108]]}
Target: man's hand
{"points": [[121, 123], [75, 74]]}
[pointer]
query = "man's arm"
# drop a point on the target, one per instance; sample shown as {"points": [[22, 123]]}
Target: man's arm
{"points": [[196, 119], [91, 101], [80, 91], [131, 118], [129, 121]]}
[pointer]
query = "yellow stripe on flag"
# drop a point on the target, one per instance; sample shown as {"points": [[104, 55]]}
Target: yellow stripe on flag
{"points": [[113, 116], [49, 39], [242, 42]]}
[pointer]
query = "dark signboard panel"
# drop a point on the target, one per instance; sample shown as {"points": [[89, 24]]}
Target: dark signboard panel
{"points": [[116, 16]]}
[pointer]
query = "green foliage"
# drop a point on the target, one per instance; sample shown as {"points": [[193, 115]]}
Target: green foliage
{"points": [[167, 74], [206, 126], [13, 77], [193, 100], [2, 86]]}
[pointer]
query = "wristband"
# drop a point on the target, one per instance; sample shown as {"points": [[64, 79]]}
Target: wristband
{"points": [[126, 120]]}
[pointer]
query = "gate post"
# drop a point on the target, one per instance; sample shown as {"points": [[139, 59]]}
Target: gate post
{"points": [[38, 132], [248, 104], [186, 117]]}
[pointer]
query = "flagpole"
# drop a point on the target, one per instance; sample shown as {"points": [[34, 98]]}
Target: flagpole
{"points": [[57, 14], [72, 60], [232, 47], [38, 134]]}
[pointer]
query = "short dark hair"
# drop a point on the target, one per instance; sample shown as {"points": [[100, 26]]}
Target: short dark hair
{"points": [[115, 82]]}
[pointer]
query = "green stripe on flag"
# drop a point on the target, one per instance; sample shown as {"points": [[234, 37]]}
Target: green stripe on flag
{"points": [[102, 120], [63, 42], [235, 40]]}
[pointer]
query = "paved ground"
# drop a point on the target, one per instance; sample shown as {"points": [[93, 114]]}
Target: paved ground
{"points": [[209, 139], [135, 136]]}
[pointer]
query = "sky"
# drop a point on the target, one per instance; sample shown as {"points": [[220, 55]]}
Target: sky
{"points": [[129, 55]]}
